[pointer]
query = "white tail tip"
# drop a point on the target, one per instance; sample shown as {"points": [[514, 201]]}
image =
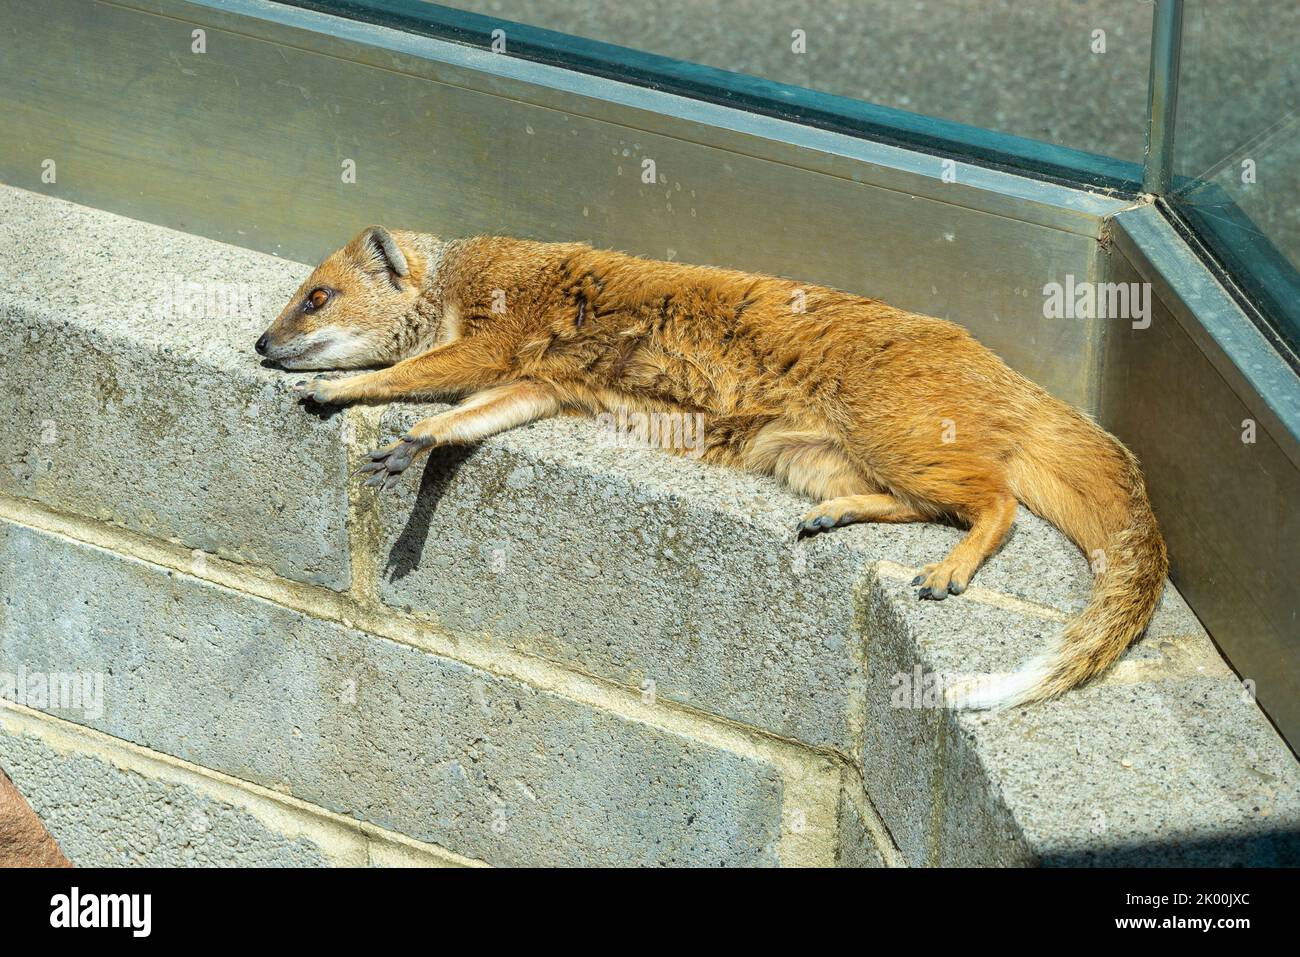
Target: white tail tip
{"points": [[991, 692]]}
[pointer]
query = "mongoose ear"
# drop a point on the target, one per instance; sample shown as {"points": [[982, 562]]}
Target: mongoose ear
{"points": [[385, 247]]}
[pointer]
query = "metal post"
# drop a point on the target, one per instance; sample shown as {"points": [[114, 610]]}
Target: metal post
{"points": [[1162, 95]]}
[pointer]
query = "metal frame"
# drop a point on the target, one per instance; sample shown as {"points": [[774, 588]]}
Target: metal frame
{"points": [[1239, 351], [1184, 395], [1162, 95], [653, 109], [809, 108]]}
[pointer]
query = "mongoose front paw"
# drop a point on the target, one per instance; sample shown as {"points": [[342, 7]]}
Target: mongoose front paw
{"points": [[318, 389], [385, 466]]}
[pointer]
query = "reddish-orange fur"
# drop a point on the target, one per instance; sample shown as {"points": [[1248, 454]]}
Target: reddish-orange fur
{"points": [[877, 413]]}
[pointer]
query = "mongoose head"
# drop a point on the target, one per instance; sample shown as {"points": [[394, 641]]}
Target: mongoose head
{"points": [[360, 307]]}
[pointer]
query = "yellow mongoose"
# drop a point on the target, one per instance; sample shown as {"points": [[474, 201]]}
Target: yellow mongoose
{"points": [[847, 400]]}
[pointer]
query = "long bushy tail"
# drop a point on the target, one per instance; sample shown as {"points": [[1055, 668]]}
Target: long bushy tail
{"points": [[1088, 485]]}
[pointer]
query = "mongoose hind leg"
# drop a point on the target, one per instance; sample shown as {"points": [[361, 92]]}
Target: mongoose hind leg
{"points": [[989, 524], [848, 509], [812, 463]]}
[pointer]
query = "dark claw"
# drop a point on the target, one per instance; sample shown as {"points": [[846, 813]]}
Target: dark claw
{"points": [[934, 594], [955, 589], [812, 526], [306, 388], [918, 579], [389, 464]]}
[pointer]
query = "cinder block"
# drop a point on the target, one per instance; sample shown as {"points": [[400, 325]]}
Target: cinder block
{"points": [[856, 846], [634, 566], [643, 567], [126, 405], [1163, 761], [24, 840], [105, 816], [444, 753], [1184, 772]]}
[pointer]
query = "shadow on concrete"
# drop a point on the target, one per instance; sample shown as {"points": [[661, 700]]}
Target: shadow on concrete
{"points": [[442, 465], [320, 410], [1278, 847]]}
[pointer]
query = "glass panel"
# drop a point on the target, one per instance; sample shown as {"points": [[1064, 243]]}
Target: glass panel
{"points": [[998, 64], [1237, 147], [976, 79]]}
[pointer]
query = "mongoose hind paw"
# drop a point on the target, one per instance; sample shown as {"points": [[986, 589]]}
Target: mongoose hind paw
{"points": [[811, 526], [940, 581], [385, 466]]}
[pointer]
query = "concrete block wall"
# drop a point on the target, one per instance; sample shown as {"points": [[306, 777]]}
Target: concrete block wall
{"points": [[543, 650]]}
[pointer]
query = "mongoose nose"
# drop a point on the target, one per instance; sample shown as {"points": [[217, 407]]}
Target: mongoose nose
{"points": [[261, 345]]}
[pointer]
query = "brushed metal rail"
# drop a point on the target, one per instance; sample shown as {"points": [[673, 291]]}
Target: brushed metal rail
{"points": [[1162, 95], [1213, 412]]}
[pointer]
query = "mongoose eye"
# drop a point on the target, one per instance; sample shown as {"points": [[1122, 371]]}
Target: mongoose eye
{"points": [[317, 298]]}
